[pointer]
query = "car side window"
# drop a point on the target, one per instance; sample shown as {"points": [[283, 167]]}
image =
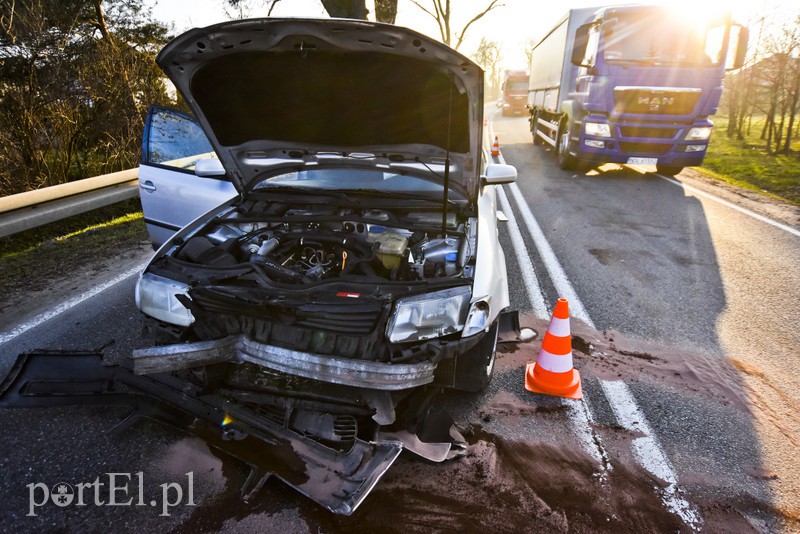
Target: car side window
{"points": [[175, 140]]}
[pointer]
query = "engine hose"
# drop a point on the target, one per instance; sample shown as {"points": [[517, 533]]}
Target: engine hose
{"points": [[274, 269]]}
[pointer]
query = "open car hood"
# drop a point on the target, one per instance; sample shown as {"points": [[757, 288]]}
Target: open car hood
{"points": [[294, 93]]}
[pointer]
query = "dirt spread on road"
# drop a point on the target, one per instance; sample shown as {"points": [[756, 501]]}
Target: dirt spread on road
{"points": [[499, 485], [609, 355], [507, 485]]}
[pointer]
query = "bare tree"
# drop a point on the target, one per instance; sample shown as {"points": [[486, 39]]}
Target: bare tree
{"points": [[488, 55], [777, 78], [385, 10], [768, 86], [349, 9], [532, 42], [75, 79], [442, 12]]}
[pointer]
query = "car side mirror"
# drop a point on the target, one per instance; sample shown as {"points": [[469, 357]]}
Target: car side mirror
{"points": [[209, 167], [499, 173]]}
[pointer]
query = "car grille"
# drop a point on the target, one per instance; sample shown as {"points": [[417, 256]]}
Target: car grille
{"points": [[351, 328], [346, 321], [334, 430]]}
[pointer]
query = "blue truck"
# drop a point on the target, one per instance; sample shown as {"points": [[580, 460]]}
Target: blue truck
{"points": [[630, 84]]}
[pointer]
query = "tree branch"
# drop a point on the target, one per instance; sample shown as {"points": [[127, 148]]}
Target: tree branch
{"points": [[476, 18], [271, 7], [436, 16]]}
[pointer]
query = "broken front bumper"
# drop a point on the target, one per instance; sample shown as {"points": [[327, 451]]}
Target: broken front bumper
{"points": [[336, 370], [338, 480]]}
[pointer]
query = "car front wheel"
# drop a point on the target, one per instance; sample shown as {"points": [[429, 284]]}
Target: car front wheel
{"points": [[474, 369]]}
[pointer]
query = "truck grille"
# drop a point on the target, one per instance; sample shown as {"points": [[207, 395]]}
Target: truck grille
{"points": [[643, 131], [644, 148], [647, 101]]}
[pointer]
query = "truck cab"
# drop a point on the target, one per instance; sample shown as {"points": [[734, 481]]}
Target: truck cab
{"points": [[639, 85], [515, 92]]}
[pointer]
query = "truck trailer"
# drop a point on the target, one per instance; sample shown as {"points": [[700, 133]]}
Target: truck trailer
{"points": [[631, 85]]}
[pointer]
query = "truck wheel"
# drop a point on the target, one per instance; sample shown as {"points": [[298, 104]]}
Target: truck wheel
{"points": [[566, 161], [669, 170], [474, 369], [535, 128]]}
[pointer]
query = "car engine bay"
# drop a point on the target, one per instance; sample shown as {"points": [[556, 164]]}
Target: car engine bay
{"points": [[315, 276], [309, 244]]}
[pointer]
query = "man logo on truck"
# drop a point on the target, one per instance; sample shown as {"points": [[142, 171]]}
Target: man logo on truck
{"points": [[656, 101]]}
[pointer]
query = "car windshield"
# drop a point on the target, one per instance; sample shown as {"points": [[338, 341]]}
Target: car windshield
{"points": [[354, 180], [647, 38]]}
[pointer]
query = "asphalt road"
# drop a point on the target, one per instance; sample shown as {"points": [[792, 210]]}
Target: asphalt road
{"points": [[694, 269], [686, 349]]}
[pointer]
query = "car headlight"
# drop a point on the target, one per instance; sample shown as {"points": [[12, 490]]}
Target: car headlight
{"points": [[477, 318], [700, 133], [597, 129], [430, 315], [155, 296]]}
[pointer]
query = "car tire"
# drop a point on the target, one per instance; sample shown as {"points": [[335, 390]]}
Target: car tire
{"points": [[566, 161], [474, 368], [668, 170]]}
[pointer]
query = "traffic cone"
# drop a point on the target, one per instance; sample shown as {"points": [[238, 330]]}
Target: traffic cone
{"points": [[496, 147], [553, 374]]}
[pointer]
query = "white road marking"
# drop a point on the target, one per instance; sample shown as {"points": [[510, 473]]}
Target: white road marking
{"points": [[580, 415], [731, 205], [646, 449], [64, 306], [551, 263], [535, 298]]}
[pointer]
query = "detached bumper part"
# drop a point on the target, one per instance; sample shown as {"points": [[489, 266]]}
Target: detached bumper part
{"points": [[337, 480], [344, 371]]}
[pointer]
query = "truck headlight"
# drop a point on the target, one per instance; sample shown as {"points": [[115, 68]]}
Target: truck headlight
{"points": [[430, 315], [155, 296], [700, 133], [597, 129]]}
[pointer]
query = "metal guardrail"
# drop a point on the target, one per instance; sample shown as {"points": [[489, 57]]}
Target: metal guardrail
{"points": [[24, 211]]}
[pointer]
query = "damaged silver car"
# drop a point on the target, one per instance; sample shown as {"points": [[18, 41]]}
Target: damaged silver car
{"points": [[357, 268]]}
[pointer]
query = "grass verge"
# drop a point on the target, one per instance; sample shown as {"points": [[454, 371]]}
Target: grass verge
{"points": [[746, 163], [29, 260]]}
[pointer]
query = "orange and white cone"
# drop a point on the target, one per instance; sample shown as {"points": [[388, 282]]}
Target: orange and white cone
{"points": [[496, 147], [553, 374]]}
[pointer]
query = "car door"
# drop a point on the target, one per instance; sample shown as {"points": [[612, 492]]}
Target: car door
{"points": [[172, 194]]}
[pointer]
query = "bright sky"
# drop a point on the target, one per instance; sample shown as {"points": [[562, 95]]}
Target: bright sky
{"points": [[512, 25]]}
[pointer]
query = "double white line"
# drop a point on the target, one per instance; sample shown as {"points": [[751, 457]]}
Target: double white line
{"points": [[646, 447]]}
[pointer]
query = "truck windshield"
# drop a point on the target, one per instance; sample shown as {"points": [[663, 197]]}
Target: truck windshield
{"points": [[649, 38], [517, 85]]}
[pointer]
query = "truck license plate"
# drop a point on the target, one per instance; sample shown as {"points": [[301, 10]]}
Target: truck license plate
{"points": [[642, 161]]}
